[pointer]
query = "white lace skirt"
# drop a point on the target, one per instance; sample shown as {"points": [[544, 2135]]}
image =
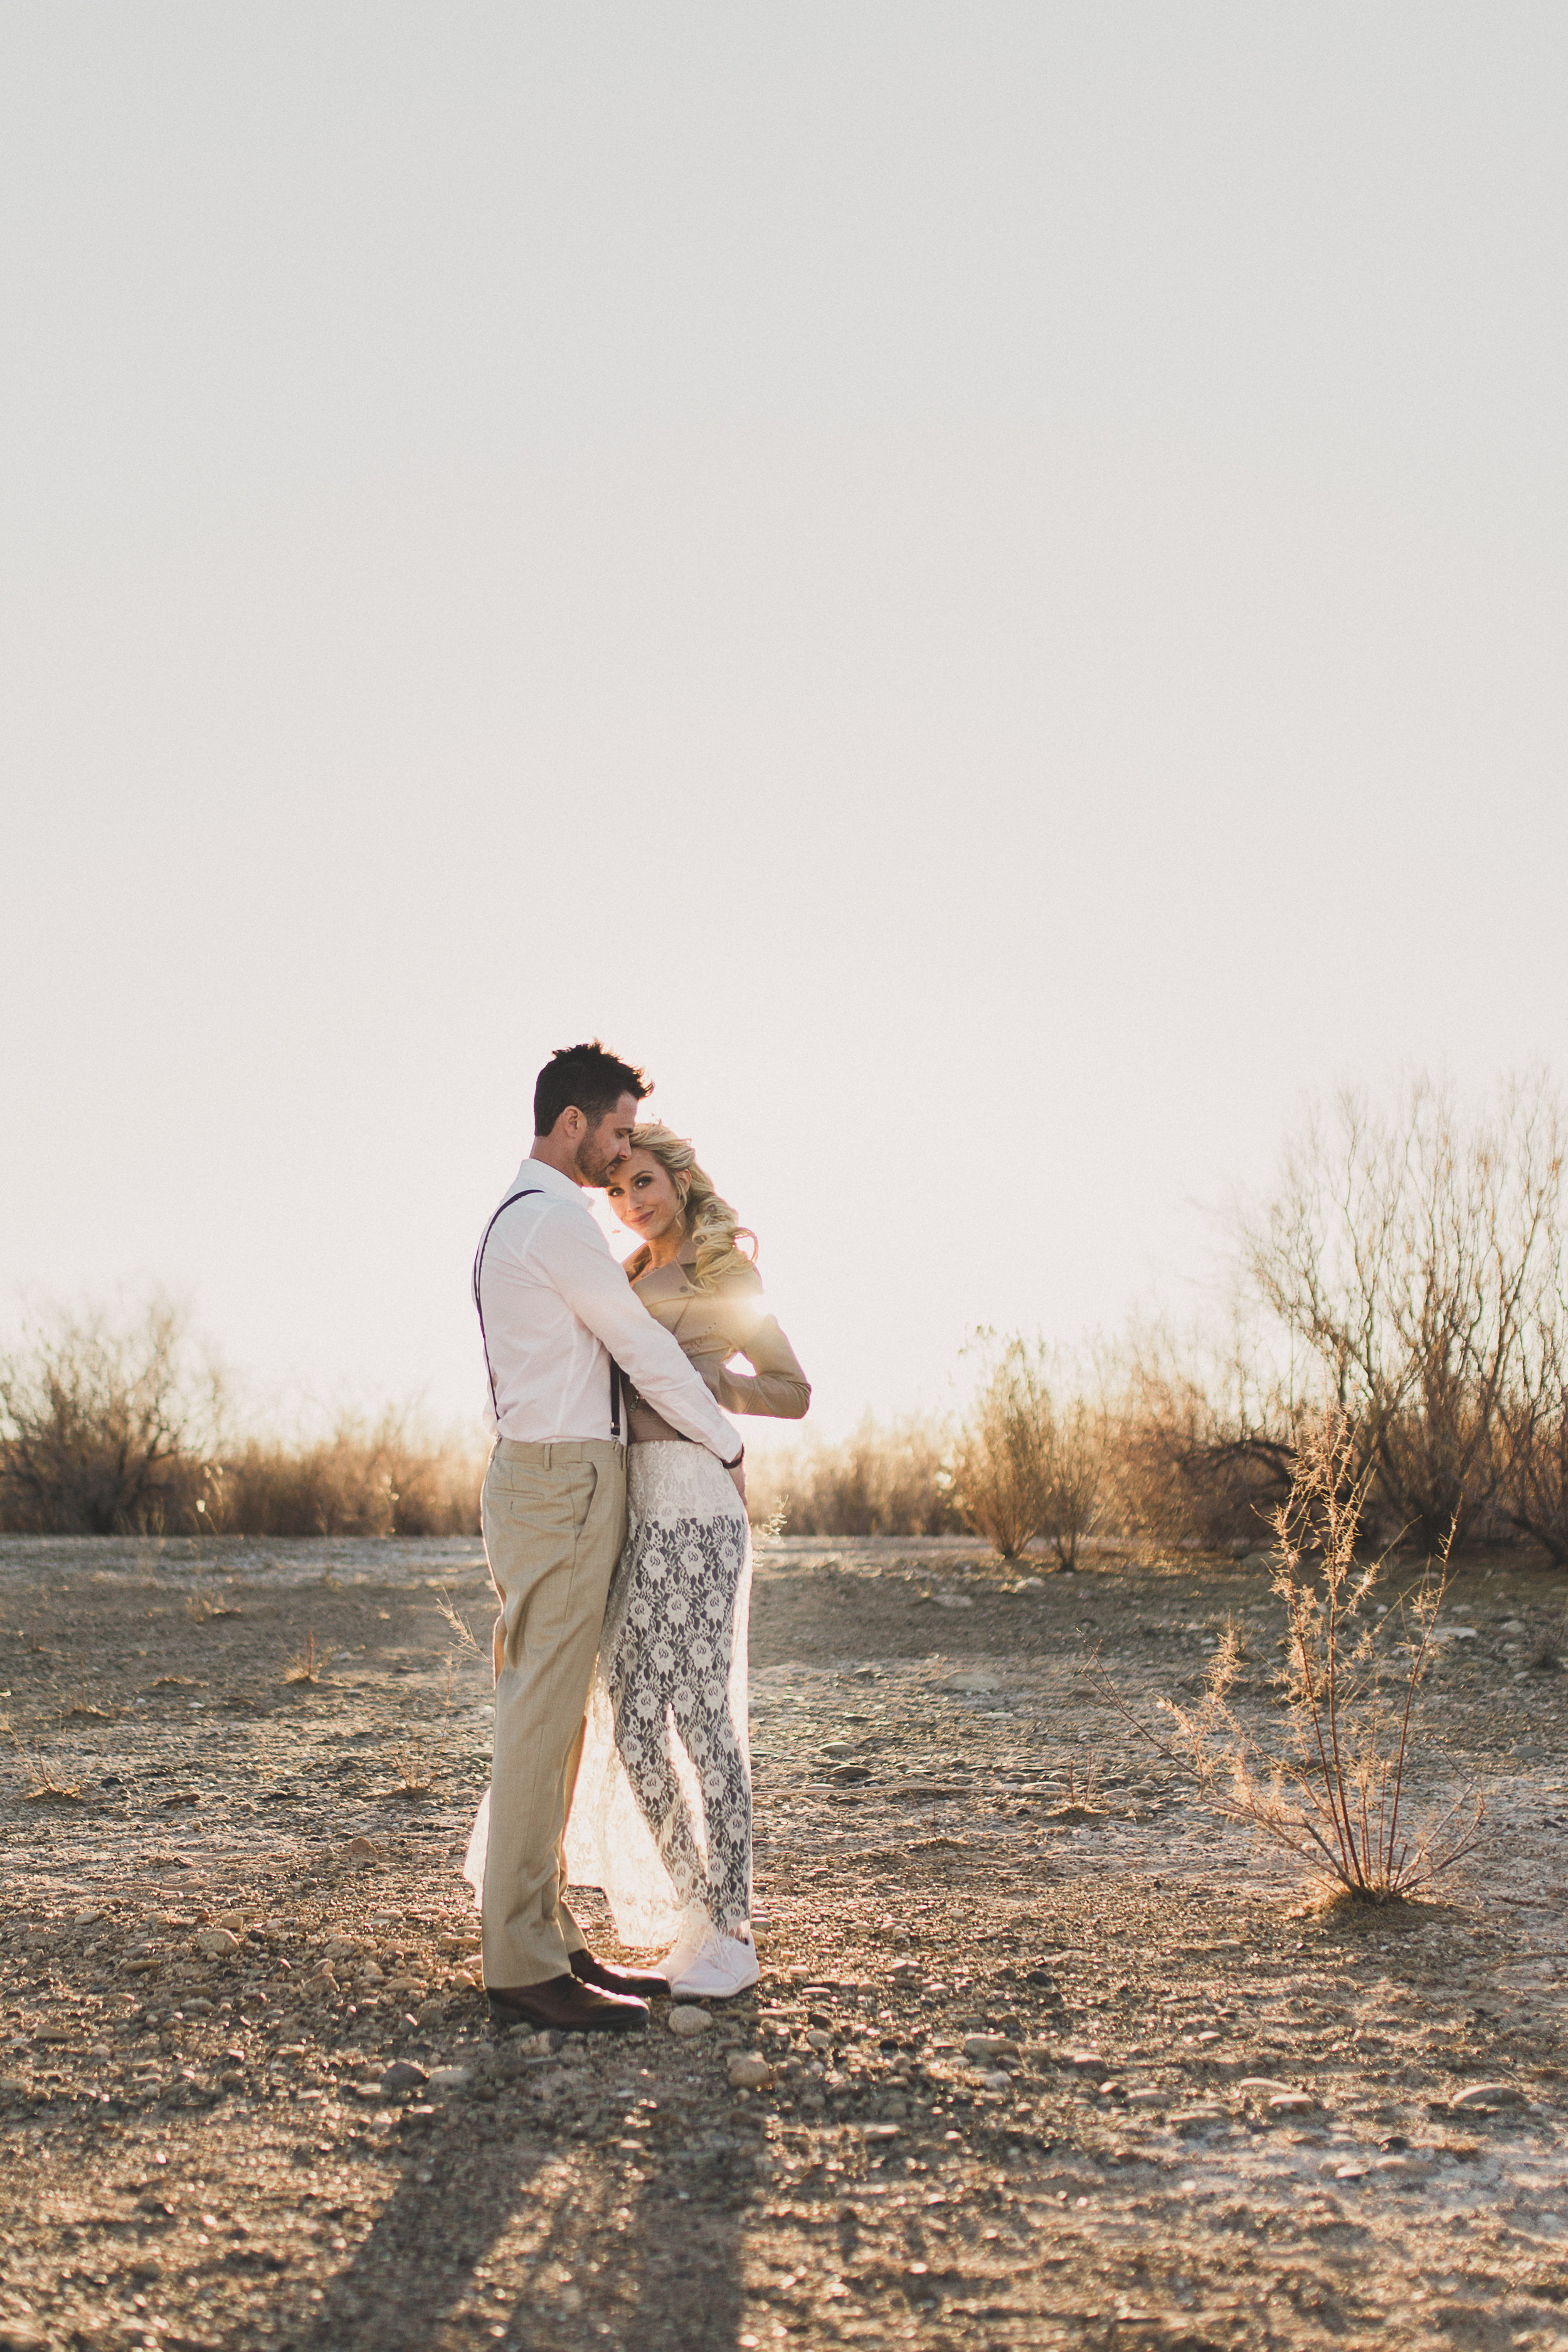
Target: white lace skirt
{"points": [[661, 1819], [662, 1816]]}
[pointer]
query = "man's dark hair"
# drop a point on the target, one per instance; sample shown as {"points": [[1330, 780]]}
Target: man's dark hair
{"points": [[587, 1077]]}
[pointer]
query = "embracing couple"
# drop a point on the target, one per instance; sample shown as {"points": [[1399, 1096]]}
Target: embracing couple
{"points": [[616, 1529]]}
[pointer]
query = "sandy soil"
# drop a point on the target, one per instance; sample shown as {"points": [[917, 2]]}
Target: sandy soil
{"points": [[1206, 2113]]}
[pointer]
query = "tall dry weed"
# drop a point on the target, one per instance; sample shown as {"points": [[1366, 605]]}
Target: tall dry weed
{"points": [[1334, 1793]]}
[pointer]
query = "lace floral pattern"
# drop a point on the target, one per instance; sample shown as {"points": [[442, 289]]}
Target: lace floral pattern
{"points": [[662, 1815]]}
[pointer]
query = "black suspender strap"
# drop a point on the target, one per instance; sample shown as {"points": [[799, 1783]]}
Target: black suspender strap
{"points": [[531, 1192]]}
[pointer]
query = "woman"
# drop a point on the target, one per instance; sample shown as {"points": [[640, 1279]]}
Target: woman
{"points": [[662, 1815]]}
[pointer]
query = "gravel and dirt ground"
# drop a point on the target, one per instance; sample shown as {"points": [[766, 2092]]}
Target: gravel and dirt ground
{"points": [[1041, 2055]]}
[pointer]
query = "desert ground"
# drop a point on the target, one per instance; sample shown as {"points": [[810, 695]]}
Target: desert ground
{"points": [[1042, 2055]]}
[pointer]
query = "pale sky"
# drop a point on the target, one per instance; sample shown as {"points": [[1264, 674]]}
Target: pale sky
{"points": [[981, 587]]}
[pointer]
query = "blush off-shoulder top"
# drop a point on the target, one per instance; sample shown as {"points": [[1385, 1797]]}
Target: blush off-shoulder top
{"points": [[713, 1326]]}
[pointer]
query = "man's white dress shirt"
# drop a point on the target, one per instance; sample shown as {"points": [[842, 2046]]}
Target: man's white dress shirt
{"points": [[556, 1308]]}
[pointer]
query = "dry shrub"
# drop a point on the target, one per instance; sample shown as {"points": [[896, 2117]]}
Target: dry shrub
{"points": [[106, 1426], [1026, 1463], [879, 1481], [1333, 1794]]}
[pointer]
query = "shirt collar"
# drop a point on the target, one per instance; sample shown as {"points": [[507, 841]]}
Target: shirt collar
{"points": [[538, 1176]]}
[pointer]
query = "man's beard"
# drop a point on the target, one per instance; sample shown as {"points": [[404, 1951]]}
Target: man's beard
{"points": [[595, 1167]]}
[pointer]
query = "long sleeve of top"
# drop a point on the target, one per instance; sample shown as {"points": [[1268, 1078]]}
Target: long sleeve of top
{"points": [[556, 1307], [713, 1327]]}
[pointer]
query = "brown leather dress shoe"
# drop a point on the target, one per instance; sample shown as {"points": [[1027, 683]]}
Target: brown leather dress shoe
{"points": [[598, 1972], [569, 2007]]}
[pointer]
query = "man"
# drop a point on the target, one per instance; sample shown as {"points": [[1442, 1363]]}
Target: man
{"points": [[561, 1325]]}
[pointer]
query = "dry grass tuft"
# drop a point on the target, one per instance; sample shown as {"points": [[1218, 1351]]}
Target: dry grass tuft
{"points": [[416, 1762], [85, 1705], [43, 1785], [1545, 1652], [309, 1664]]}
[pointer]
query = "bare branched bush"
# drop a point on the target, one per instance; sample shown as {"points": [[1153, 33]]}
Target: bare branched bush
{"points": [[106, 1427], [879, 1481], [1025, 1464], [1334, 1795], [1407, 1251]]}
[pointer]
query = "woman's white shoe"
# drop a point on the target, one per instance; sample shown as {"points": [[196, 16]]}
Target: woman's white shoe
{"points": [[724, 1966], [694, 1932]]}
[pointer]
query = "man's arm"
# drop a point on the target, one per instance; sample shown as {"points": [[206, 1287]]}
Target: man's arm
{"points": [[577, 1258]]}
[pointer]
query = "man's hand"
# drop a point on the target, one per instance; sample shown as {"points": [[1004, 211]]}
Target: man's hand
{"points": [[739, 1475]]}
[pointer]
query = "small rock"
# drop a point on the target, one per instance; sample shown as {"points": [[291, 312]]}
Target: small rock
{"points": [[748, 2072], [450, 2078], [972, 1684], [1291, 2103], [403, 2074], [818, 2039], [370, 1974], [1482, 2097], [1085, 2062], [986, 2045], [216, 1943], [362, 1849], [684, 2018], [235, 1921], [997, 2081]]}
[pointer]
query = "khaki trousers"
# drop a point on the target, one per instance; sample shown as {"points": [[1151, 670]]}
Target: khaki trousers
{"points": [[554, 1520]]}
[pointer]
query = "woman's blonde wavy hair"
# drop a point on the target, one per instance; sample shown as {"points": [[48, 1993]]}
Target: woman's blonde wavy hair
{"points": [[710, 1222]]}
